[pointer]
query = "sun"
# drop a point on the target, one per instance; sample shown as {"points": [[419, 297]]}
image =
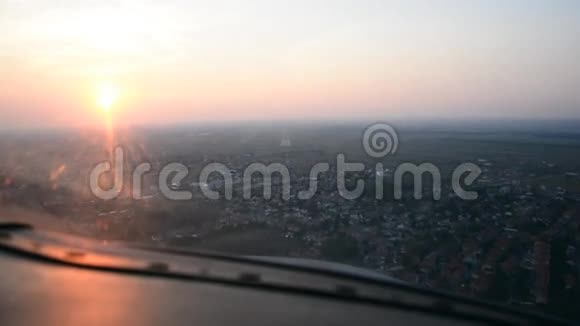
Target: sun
{"points": [[106, 96]]}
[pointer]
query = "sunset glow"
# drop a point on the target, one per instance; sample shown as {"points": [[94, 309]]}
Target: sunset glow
{"points": [[262, 60], [107, 95]]}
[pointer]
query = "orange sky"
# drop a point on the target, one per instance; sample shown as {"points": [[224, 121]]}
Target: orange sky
{"points": [[190, 61]]}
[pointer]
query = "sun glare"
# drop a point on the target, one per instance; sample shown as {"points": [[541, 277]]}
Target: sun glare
{"points": [[107, 94]]}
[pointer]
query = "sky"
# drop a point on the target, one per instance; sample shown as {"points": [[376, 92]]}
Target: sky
{"points": [[161, 62]]}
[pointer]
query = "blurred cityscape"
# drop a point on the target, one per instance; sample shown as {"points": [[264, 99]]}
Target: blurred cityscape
{"points": [[518, 243]]}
